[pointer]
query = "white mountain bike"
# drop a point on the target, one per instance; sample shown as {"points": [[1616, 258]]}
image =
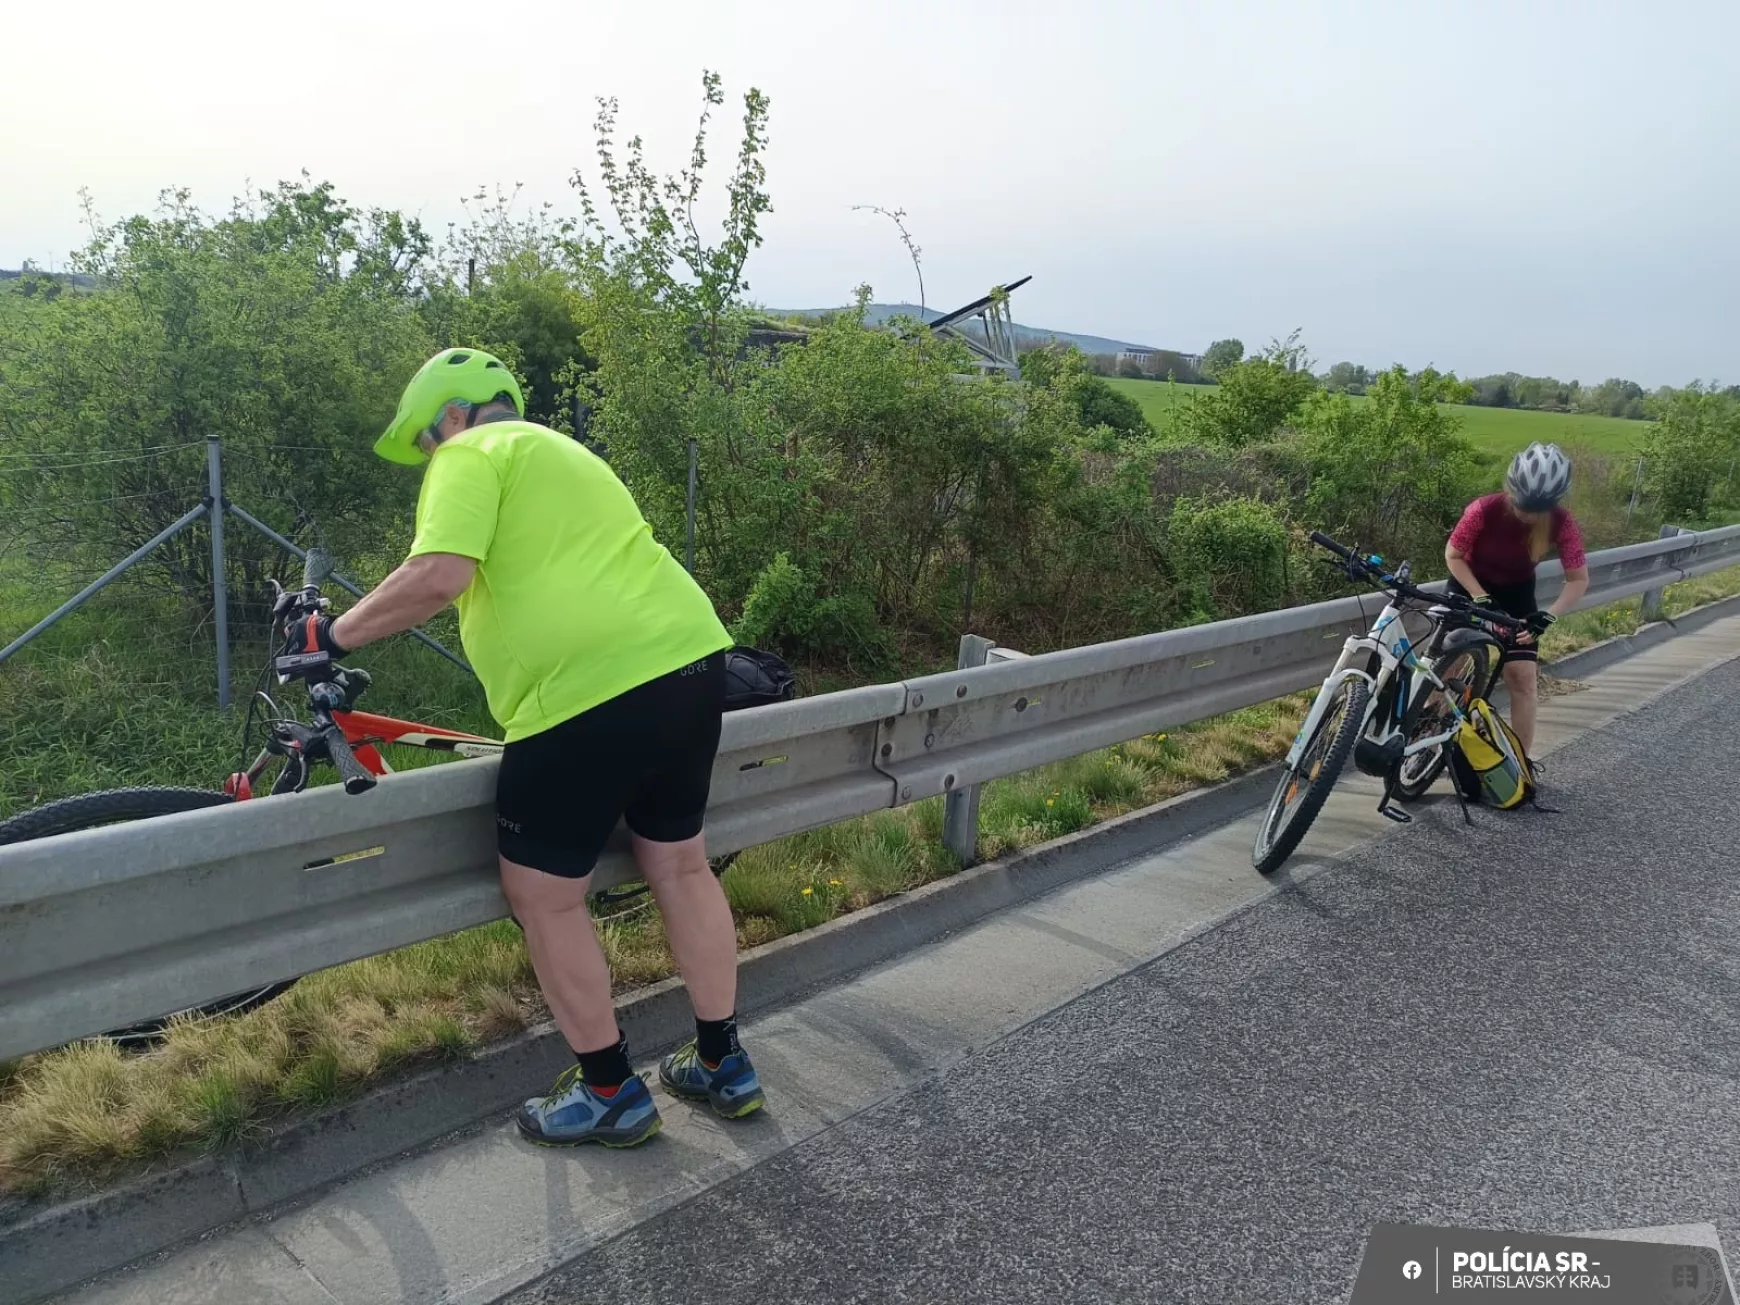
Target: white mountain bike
{"points": [[1393, 704]]}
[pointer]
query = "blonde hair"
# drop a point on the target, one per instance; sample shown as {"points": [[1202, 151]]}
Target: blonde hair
{"points": [[1541, 537]]}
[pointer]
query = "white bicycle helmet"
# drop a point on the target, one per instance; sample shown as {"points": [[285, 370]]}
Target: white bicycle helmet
{"points": [[1539, 477]]}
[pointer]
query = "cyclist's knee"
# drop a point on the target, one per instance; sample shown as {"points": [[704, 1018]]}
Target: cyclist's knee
{"points": [[1520, 677], [674, 861], [532, 891]]}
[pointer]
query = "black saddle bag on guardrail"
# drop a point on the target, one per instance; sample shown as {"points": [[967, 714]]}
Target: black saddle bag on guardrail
{"points": [[754, 679]]}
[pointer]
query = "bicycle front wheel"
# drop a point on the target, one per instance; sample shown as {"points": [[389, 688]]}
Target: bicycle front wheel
{"points": [[1304, 786], [120, 806]]}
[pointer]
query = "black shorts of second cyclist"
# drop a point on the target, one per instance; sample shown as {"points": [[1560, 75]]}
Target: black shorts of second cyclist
{"points": [[1516, 600], [645, 757]]}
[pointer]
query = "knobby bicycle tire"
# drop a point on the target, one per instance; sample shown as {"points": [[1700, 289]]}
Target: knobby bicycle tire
{"points": [[119, 806], [1317, 789]]}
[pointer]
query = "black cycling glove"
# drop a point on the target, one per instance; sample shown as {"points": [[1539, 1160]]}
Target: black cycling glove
{"points": [[1539, 622], [313, 634]]}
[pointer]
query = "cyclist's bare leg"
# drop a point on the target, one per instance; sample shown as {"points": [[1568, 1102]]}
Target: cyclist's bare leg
{"points": [[569, 962], [698, 921], [1523, 682]]}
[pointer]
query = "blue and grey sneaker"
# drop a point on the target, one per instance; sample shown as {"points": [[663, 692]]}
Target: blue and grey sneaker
{"points": [[732, 1088], [573, 1113]]}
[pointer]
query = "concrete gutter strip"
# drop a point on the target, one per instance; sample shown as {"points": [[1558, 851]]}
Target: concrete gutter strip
{"points": [[44, 1249]]}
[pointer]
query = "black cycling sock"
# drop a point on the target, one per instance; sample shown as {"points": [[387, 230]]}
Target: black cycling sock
{"points": [[716, 1039], [607, 1068]]}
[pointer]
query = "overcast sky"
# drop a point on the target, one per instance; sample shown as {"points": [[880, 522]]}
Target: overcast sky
{"points": [[1538, 185]]}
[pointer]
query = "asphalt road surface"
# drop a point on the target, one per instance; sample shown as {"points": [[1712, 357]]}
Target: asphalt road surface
{"points": [[1534, 1024]]}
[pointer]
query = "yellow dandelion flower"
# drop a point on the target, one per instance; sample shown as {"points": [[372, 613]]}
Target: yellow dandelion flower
{"points": [[808, 891]]}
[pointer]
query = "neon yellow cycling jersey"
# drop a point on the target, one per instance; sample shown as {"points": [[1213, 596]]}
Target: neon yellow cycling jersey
{"points": [[574, 602]]}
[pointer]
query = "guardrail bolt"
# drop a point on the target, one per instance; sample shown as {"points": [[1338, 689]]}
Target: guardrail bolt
{"points": [[961, 692], [888, 749], [906, 794], [948, 783], [1020, 704], [918, 700], [930, 740]]}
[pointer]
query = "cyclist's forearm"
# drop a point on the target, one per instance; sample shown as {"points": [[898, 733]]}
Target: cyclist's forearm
{"points": [[1462, 573], [418, 589], [1576, 585]]}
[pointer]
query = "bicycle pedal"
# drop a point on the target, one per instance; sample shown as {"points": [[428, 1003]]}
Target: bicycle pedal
{"points": [[1400, 817]]}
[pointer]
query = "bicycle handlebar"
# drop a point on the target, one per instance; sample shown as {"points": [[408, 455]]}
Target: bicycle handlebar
{"points": [[356, 779], [1340, 550], [1364, 568]]}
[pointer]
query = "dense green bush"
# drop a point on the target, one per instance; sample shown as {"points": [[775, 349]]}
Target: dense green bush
{"points": [[1390, 472], [1230, 555], [1255, 398], [1070, 372], [1689, 450]]}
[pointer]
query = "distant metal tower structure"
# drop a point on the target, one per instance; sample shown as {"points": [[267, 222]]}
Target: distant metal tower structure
{"points": [[993, 346]]}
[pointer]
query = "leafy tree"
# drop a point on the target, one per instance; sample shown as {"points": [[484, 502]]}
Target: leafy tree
{"points": [[1289, 353], [1695, 438], [1254, 400], [1221, 355], [1392, 472], [1346, 378], [1069, 373], [285, 327], [1614, 397]]}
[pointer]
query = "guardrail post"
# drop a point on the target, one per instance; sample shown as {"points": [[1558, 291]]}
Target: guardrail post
{"points": [[214, 462], [961, 808], [1652, 598]]}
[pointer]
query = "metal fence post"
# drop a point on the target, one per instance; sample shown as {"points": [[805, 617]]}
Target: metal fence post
{"points": [[214, 461], [961, 808], [1652, 598], [1636, 485]]}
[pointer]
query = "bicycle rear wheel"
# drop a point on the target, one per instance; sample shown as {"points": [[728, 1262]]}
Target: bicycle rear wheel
{"points": [[1475, 665], [1304, 787], [120, 806]]}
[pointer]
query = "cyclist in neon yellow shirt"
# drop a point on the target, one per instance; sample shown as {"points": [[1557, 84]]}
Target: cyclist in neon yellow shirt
{"points": [[604, 662]]}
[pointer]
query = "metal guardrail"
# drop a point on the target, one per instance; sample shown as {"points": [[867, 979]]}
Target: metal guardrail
{"points": [[106, 927]]}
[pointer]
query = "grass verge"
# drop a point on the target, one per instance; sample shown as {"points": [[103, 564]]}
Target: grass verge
{"points": [[86, 1113]]}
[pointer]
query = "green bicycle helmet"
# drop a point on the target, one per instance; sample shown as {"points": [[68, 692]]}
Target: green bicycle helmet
{"points": [[453, 375]]}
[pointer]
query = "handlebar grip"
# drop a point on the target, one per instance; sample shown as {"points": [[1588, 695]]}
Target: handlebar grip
{"points": [[1499, 618], [1324, 541], [356, 778]]}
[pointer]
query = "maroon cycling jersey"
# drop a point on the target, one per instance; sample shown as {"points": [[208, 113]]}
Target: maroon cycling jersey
{"points": [[1496, 543]]}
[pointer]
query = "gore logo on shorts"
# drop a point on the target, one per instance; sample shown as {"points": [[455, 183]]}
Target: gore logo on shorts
{"points": [[695, 668], [512, 826]]}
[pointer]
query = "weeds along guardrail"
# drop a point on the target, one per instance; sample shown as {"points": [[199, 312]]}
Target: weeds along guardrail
{"points": [[106, 927]]}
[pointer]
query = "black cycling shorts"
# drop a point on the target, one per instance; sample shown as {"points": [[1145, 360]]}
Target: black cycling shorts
{"points": [[1516, 600], [645, 757]]}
